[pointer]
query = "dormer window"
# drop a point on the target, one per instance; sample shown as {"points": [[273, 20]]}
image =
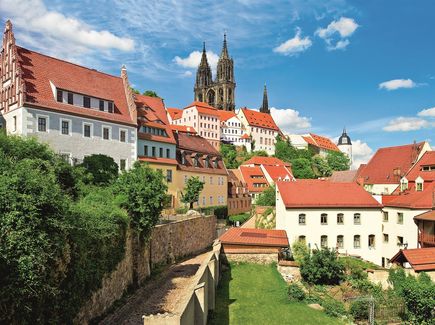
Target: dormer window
{"points": [[86, 102], [110, 107], [403, 184], [59, 96], [215, 163], [183, 159], [206, 162], [101, 105], [196, 161], [419, 184], [70, 98]]}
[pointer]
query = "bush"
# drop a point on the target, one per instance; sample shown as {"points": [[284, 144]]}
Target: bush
{"points": [[220, 211], [181, 210], [295, 292], [322, 267], [104, 169], [241, 218], [300, 250], [359, 309], [333, 307], [267, 197]]}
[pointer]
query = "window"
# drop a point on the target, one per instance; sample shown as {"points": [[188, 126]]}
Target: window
{"points": [[86, 102], [403, 184], [211, 199], [110, 107], [42, 124], [211, 180], [215, 163], [122, 164], [371, 241], [169, 176], [122, 136], [324, 219], [168, 153], [15, 123], [153, 151], [87, 130], [183, 159], [59, 96], [203, 200], [206, 162], [70, 98], [64, 126], [419, 186], [340, 219], [302, 239], [400, 218], [357, 241], [324, 241], [196, 161], [302, 219], [340, 241], [386, 238], [399, 241], [161, 152], [101, 105], [357, 219], [385, 214], [185, 179], [106, 133]]}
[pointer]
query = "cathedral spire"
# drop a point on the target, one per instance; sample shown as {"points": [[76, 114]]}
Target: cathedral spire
{"points": [[204, 61], [265, 106], [224, 53]]}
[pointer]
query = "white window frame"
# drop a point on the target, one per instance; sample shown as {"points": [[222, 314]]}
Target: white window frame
{"points": [[47, 123], [126, 164], [69, 126], [126, 135], [91, 131], [102, 132]]}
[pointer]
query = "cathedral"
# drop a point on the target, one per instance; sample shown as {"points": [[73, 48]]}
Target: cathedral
{"points": [[218, 93]]}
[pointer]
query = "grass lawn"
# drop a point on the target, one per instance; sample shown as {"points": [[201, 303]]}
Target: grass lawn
{"points": [[257, 294]]}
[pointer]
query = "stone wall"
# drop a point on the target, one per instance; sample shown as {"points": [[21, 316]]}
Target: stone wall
{"points": [[252, 258], [168, 243]]}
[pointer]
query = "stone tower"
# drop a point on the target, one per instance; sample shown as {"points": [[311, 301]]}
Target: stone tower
{"points": [[220, 92], [265, 105], [345, 144]]}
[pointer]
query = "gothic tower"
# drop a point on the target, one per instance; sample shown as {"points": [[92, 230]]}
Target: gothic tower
{"points": [[265, 106], [220, 92], [345, 145]]}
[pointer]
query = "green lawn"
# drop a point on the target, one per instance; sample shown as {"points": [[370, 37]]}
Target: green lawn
{"points": [[257, 294]]}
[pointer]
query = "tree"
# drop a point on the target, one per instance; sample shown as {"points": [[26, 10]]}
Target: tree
{"points": [[191, 191], [322, 267], [337, 160], [150, 93], [104, 169], [300, 250], [321, 167], [301, 168], [229, 155], [267, 197], [135, 91]]}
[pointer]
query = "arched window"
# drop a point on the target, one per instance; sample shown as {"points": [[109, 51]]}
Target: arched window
{"points": [[323, 219], [357, 241], [302, 219], [340, 219], [211, 96], [324, 241], [371, 241], [357, 218], [340, 241]]}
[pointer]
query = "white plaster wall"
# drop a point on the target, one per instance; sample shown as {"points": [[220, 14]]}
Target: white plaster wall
{"points": [[9, 120], [380, 189]]}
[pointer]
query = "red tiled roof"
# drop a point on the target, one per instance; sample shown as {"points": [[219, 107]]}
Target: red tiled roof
{"points": [[204, 108], [320, 142], [321, 193], [343, 176], [158, 160], [428, 159], [183, 128], [39, 70], [248, 173], [257, 237], [245, 136], [413, 199], [309, 140], [430, 216], [278, 172], [226, 115], [421, 259], [270, 161], [175, 113], [381, 167], [195, 143], [259, 119]]}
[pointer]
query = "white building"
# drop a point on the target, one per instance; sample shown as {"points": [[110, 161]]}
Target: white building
{"points": [[76, 110], [232, 130], [345, 145], [261, 128], [335, 215]]}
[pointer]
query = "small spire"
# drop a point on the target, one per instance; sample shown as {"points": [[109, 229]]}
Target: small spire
{"points": [[204, 56], [265, 106], [224, 53]]}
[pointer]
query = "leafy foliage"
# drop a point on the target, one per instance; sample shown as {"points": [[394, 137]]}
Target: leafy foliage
{"points": [[359, 309], [338, 160], [322, 267], [295, 292], [301, 168], [191, 191], [150, 93], [267, 197], [300, 250], [229, 154], [104, 169], [220, 211], [334, 307], [321, 167], [241, 218]]}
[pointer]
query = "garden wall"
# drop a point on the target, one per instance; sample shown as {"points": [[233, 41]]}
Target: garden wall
{"points": [[168, 243]]}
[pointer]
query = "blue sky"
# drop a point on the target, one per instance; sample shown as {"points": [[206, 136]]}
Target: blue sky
{"points": [[367, 65]]}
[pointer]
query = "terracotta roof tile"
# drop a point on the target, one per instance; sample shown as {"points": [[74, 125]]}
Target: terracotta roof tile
{"points": [[421, 259], [278, 172], [158, 160], [320, 142], [183, 128], [344, 176], [195, 143], [269, 161], [257, 237], [322, 193], [413, 199], [39, 70], [175, 113], [226, 115], [430, 216], [259, 119], [254, 175], [428, 159], [204, 108]]}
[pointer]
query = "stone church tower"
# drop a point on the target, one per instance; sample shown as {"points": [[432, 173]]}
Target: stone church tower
{"points": [[220, 92]]}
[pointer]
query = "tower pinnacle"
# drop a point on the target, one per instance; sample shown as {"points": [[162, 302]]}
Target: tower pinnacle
{"points": [[265, 105]]}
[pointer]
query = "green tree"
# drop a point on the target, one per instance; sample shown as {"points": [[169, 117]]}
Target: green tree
{"points": [[321, 167], [337, 160], [229, 155], [150, 93], [104, 169], [135, 91], [267, 197], [322, 267], [301, 168], [191, 191], [300, 250]]}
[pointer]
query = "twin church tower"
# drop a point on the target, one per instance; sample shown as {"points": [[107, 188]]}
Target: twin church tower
{"points": [[219, 93]]}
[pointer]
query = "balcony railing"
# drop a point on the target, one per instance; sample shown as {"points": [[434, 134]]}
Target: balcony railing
{"points": [[426, 238]]}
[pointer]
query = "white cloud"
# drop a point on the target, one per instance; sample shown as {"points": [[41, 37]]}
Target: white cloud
{"points": [[194, 58], [397, 84], [361, 153], [294, 45], [33, 16], [336, 34], [289, 120], [406, 124], [429, 112]]}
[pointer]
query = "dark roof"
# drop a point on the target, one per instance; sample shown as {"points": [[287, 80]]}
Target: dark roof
{"points": [[344, 139], [195, 143]]}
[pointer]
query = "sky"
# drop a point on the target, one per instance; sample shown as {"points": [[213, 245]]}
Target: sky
{"points": [[366, 65]]}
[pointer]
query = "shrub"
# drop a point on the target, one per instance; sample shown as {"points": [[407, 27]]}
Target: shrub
{"points": [[295, 292], [181, 210], [300, 250], [267, 197], [322, 267], [103, 169], [359, 309], [241, 218], [333, 307], [220, 211]]}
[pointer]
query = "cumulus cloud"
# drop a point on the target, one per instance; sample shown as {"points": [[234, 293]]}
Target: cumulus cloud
{"points": [[406, 124], [336, 34], [33, 16], [429, 112], [289, 120], [361, 153], [294, 45], [194, 58], [397, 84]]}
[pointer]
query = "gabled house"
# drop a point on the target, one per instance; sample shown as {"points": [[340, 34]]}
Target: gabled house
{"points": [[239, 200], [319, 144], [232, 130], [417, 259], [77, 111]]}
